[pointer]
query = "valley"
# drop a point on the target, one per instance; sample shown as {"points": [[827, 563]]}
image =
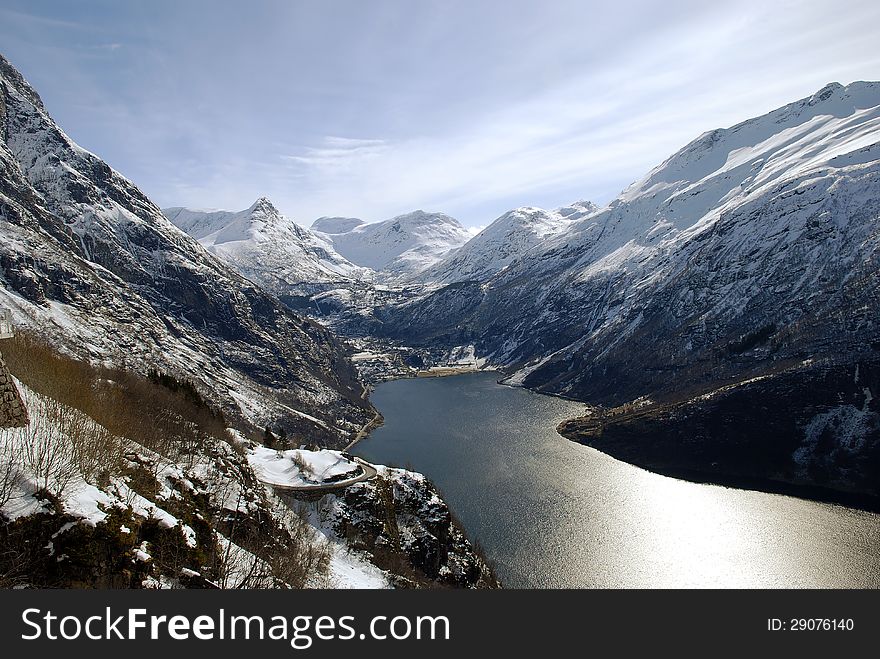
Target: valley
{"points": [[717, 322]]}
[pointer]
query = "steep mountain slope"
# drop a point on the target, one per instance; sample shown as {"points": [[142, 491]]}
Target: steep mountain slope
{"points": [[752, 252], [402, 246], [502, 242], [267, 247], [752, 243], [88, 262]]}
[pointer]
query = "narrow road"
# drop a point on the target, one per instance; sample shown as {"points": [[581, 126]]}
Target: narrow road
{"points": [[372, 423], [369, 471]]}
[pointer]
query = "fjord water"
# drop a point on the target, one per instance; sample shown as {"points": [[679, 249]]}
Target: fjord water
{"points": [[552, 513]]}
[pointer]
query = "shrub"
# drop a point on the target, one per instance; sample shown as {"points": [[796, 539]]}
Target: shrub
{"points": [[161, 412], [8, 470]]}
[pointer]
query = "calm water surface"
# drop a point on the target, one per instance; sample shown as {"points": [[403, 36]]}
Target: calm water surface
{"points": [[552, 513]]}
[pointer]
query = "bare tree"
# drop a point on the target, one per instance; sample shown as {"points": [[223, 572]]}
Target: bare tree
{"points": [[47, 454], [8, 469]]}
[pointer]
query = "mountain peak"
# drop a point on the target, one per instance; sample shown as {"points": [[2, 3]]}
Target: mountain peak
{"points": [[825, 93], [263, 205], [12, 75]]}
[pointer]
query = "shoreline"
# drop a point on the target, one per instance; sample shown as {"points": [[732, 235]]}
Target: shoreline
{"points": [[853, 500], [447, 371], [819, 494], [370, 425]]}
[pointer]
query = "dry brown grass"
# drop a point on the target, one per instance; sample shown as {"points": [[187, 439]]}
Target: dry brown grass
{"points": [[161, 413]]}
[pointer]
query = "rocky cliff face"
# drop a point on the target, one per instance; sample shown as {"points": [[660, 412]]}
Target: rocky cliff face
{"points": [[91, 264], [400, 519], [12, 411]]}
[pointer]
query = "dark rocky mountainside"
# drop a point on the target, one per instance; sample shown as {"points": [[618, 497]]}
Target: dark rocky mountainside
{"points": [[88, 262], [12, 411], [400, 518], [806, 431], [754, 251]]}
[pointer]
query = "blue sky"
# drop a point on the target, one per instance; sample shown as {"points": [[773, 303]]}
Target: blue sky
{"points": [[374, 108]]}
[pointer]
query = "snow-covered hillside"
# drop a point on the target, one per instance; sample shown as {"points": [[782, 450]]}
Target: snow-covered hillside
{"points": [[336, 224], [90, 264], [502, 242], [400, 247], [82, 507], [753, 243], [267, 247]]}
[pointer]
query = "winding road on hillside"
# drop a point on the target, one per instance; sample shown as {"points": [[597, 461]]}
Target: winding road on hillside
{"points": [[368, 471]]}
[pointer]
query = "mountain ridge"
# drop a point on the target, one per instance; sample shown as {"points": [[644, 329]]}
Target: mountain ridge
{"points": [[402, 246], [267, 247], [90, 264]]}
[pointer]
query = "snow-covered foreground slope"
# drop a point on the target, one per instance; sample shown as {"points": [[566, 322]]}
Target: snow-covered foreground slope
{"points": [[400, 247], [266, 247], [504, 241], [159, 522], [91, 264], [80, 507]]}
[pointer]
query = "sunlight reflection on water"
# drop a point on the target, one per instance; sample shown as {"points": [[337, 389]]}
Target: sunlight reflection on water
{"points": [[552, 513]]}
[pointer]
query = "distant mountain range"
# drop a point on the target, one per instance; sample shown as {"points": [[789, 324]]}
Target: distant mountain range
{"points": [[740, 274], [285, 257], [401, 247], [267, 247]]}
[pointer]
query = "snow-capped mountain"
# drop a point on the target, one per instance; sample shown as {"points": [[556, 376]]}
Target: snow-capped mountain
{"points": [[89, 263], [753, 243], [400, 247], [502, 242], [267, 247], [752, 255], [766, 230]]}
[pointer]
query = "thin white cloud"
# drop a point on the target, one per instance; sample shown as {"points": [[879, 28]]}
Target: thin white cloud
{"points": [[595, 133], [453, 106], [338, 154], [351, 142]]}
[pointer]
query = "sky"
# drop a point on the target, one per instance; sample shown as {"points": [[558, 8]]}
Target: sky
{"points": [[372, 109]]}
